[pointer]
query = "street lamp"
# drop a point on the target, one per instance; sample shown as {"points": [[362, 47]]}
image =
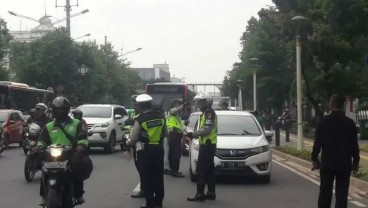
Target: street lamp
{"points": [[240, 98], [88, 34], [255, 60], [299, 19], [138, 49], [83, 70]]}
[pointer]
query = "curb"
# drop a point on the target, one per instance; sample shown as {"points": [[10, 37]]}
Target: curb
{"points": [[355, 183]]}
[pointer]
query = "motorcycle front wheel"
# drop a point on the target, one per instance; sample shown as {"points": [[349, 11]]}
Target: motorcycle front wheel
{"points": [[29, 168], [52, 199]]}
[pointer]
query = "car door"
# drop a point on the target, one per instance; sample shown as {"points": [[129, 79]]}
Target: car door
{"points": [[12, 128], [119, 122]]}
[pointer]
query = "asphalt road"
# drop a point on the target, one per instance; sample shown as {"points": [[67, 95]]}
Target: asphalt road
{"points": [[114, 179]]}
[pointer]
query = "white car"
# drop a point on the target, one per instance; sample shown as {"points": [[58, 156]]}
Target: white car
{"points": [[242, 147], [105, 125]]}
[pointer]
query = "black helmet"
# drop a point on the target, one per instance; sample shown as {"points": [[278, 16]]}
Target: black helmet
{"points": [[134, 97], [77, 113], [60, 108]]}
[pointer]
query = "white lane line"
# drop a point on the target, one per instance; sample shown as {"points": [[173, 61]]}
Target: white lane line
{"points": [[137, 188], [297, 172], [358, 204], [311, 179]]}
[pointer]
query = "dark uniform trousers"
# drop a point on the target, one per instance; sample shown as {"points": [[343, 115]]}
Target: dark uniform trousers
{"points": [[153, 174], [139, 165], [206, 168], [174, 141], [327, 177]]}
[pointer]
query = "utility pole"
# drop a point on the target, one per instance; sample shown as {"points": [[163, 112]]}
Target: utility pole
{"points": [[68, 8]]}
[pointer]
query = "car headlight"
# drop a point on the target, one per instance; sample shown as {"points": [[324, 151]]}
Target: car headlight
{"points": [[104, 125], [196, 146], [56, 151], [260, 149]]}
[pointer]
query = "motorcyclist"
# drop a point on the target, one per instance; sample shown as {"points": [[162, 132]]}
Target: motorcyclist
{"points": [[78, 114], [285, 118], [52, 133], [40, 117], [32, 114]]}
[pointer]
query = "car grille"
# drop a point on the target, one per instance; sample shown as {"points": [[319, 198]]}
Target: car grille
{"points": [[234, 154], [90, 126]]}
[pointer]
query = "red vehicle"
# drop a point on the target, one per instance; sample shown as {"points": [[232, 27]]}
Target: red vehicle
{"points": [[12, 126]]}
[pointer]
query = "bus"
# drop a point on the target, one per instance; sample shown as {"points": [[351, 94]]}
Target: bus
{"points": [[22, 97], [164, 92]]}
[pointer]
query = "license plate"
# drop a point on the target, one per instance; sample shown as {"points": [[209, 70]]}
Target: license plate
{"points": [[233, 164], [54, 165]]}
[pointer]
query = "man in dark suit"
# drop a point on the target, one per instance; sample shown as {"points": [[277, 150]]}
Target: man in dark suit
{"points": [[336, 135]]}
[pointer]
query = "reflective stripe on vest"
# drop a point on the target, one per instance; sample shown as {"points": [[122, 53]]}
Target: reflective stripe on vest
{"points": [[212, 136]]}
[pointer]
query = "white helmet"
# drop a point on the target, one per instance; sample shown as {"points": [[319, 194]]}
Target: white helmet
{"points": [[206, 98], [34, 131], [142, 98]]}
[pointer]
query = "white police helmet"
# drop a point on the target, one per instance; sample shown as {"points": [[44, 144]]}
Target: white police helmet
{"points": [[142, 98], [203, 100]]}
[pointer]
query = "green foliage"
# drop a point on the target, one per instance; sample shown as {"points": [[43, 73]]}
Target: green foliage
{"points": [[55, 60], [363, 147], [303, 154], [5, 38], [334, 49]]}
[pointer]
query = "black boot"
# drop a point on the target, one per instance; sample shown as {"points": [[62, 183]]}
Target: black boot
{"points": [[139, 194], [197, 198], [177, 174], [147, 206], [211, 195]]}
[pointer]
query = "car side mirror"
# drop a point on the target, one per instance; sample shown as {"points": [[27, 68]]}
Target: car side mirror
{"points": [[117, 116]]}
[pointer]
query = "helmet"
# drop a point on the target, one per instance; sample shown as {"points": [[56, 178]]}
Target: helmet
{"points": [[77, 113], [40, 108], [134, 97], [60, 108], [204, 101], [34, 131], [142, 98]]}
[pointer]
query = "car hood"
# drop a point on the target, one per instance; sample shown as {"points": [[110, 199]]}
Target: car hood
{"points": [[91, 120], [240, 142]]}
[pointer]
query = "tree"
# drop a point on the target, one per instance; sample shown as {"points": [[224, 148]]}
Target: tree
{"points": [[5, 39]]}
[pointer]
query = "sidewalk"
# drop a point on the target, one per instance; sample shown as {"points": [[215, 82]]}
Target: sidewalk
{"points": [[308, 145]]}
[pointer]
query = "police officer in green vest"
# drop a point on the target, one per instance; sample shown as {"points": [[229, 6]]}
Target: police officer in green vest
{"points": [[175, 135], [148, 133], [52, 134], [207, 135]]}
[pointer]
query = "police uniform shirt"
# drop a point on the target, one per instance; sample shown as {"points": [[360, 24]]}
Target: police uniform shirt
{"points": [[209, 124]]}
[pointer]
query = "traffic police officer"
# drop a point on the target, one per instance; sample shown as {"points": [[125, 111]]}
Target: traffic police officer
{"points": [[137, 155], [207, 135], [175, 136], [148, 133]]}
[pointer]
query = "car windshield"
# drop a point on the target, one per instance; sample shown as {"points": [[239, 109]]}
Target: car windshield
{"points": [[237, 125], [96, 111], [3, 116]]}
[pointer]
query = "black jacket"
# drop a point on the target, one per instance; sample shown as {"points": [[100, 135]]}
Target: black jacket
{"points": [[336, 135]]}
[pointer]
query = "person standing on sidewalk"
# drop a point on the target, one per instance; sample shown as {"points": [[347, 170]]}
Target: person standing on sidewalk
{"points": [[175, 135], [336, 135]]}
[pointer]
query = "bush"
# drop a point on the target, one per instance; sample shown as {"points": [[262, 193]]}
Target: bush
{"points": [[306, 155], [363, 147]]}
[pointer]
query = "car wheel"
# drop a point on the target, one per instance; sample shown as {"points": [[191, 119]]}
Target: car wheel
{"points": [[266, 179], [110, 146]]}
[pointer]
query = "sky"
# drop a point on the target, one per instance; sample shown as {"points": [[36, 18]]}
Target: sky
{"points": [[199, 39]]}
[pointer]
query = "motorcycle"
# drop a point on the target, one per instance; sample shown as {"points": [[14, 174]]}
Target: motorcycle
{"points": [[56, 177], [32, 163], [2, 144]]}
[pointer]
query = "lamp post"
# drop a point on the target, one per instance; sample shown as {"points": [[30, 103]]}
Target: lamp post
{"points": [[254, 84], [240, 99], [88, 34], [138, 49], [298, 19]]}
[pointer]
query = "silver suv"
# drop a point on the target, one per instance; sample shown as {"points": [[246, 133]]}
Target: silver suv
{"points": [[105, 125]]}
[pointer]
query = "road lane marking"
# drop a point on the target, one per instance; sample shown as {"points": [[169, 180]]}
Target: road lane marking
{"points": [[313, 181], [358, 204], [137, 188]]}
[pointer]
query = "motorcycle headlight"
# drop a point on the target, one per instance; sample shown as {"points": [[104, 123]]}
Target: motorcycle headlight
{"points": [[104, 125], [56, 151], [260, 149], [196, 146]]}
